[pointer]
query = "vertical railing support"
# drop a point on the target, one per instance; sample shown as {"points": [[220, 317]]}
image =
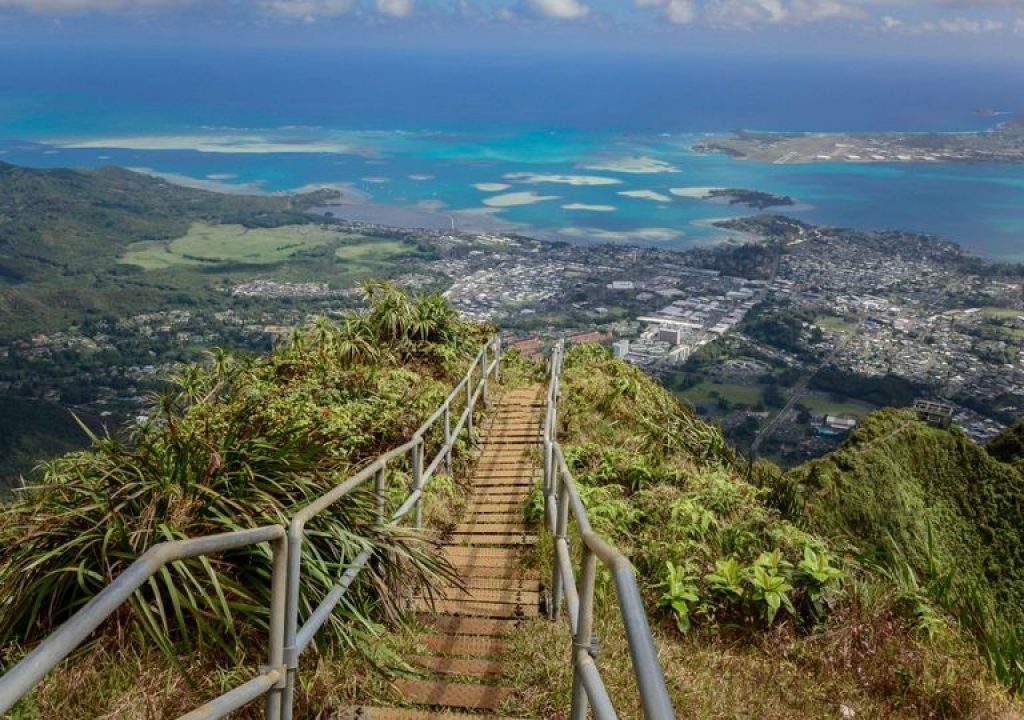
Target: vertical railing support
{"points": [[469, 406], [448, 437], [379, 492], [583, 642], [561, 491], [417, 479], [483, 377], [291, 621], [278, 606]]}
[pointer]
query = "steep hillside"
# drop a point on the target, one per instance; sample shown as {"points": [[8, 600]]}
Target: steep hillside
{"points": [[236, 443], [763, 609], [62, 232], [1008, 446], [78, 221], [928, 494]]}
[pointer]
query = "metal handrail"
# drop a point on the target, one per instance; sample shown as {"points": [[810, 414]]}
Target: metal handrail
{"points": [[24, 676], [276, 680], [297, 638], [562, 500]]}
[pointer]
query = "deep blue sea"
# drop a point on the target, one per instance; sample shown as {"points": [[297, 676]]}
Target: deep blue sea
{"points": [[563, 146]]}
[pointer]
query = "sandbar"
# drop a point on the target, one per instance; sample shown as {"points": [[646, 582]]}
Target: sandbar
{"points": [[646, 195], [643, 235], [640, 165], [492, 187], [211, 144], [517, 198], [589, 208], [582, 180], [697, 193]]}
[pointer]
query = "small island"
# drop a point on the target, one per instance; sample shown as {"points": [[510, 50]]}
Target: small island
{"points": [[750, 198]]}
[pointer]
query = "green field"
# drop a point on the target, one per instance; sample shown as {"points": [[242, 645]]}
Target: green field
{"points": [[1002, 313], [821, 404], [224, 244], [365, 250], [836, 324], [700, 394]]}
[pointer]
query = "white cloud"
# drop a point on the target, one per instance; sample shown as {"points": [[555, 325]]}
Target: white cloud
{"points": [[680, 12], [1018, 27], [963, 25], [308, 10], [395, 8], [748, 13], [561, 9], [58, 6], [891, 23]]}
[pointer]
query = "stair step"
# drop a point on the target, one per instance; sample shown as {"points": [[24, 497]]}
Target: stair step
{"points": [[474, 582], [452, 629], [375, 713], [486, 525], [498, 516], [496, 595], [468, 696], [473, 608], [513, 481], [470, 571], [458, 666], [490, 555], [486, 505], [481, 539], [465, 645]]}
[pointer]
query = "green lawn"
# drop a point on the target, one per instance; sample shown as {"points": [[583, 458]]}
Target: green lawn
{"points": [[834, 323], [821, 404], [1001, 313], [359, 250], [700, 394], [223, 244]]}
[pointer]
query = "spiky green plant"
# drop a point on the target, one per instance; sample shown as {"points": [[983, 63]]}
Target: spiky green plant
{"points": [[239, 443]]}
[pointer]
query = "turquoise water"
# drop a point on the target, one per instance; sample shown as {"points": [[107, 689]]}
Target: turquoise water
{"points": [[438, 138]]}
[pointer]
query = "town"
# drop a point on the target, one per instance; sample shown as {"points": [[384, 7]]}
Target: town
{"points": [[786, 353]]}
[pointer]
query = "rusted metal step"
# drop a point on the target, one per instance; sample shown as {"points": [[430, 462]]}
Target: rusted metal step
{"points": [[475, 608], [494, 516], [514, 597], [488, 525], [480, 539], [375, 713], [494, 556], [514, 481], [464, 645], [525, 581], [466, 628], [468, 696], [475, 667], [479, 571]]}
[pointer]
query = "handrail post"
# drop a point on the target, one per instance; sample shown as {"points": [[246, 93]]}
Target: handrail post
{"points": [[291, 621], [583, 642], [278, 603], [483, 377], [379, 491], [448, 437], [469, 404], [497, 359], [417, 479], [561, 533]]}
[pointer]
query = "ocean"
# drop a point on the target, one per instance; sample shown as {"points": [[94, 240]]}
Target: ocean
{"points": [[573, 147]]}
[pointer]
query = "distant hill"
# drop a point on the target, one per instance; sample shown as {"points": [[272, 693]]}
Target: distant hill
{"points": [[942, 502], [32, 431], [61, 232], [1008, 446]]}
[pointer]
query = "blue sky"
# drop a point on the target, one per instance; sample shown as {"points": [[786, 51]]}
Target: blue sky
{"points": [[969, 27]]}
